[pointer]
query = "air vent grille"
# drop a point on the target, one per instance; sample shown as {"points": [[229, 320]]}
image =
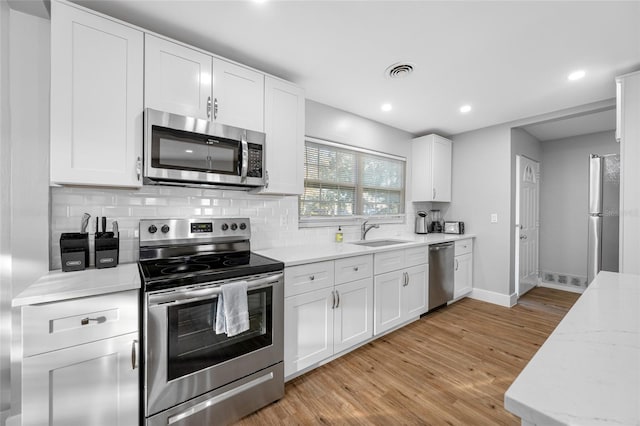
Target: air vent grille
{"points": [[399, 70]]}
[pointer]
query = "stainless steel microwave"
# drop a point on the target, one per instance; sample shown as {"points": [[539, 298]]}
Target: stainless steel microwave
{"points": [[188, 151]]}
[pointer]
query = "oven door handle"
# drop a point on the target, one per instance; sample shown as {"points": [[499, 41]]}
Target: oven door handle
{"points": [[196, 294]]}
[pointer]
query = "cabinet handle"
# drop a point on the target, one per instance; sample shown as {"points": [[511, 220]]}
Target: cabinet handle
{"points": [[408, 278], [355, 268], [312, 277], [333, 297], [99, 320], [209, 107], [266, 178], [456, 264], [139, 167], [134, 364], [338, 296], [405, 280], [215, 108], [434, 193]]}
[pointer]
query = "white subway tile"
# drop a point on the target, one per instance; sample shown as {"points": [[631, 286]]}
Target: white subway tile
{"points": [[129, 200], [155, 201], [212, 193], [197, 201], [144, 212], [67, 199], [219, 202], [115, 212], [169, 212], [178, 201], [230, 211]]}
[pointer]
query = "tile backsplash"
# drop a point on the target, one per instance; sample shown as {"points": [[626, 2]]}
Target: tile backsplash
{"points": [[274, 219]]}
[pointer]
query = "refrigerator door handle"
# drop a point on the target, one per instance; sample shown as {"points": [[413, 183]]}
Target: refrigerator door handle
{"points": [[595, 184], [594, 254]]}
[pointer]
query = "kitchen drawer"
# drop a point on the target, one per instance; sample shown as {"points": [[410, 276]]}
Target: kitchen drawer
{"points": [[309, 277], [416, 256], [463, 247], [388, 261], [354, 268], [57, 325]]}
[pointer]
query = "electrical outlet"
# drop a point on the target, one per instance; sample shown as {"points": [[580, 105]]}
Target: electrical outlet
{"points": [[494, 217]]}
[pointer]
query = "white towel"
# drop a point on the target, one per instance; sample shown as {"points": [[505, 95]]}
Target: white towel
{"points": [[232, 316]]}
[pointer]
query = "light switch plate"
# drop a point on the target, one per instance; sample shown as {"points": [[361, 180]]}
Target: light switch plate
{"points": [[494, 217]]}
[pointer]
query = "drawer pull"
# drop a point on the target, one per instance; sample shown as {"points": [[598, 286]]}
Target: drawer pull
{"points": [[312, 277], [99, 320], [355, 268]]}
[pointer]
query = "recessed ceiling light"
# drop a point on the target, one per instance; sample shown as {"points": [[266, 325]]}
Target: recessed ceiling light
{"points": [[386, 107], [465, 109], [188, 151], [576, 75]]}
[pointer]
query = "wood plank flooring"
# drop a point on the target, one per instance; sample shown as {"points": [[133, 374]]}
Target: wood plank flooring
{"points": [[452, 366]]}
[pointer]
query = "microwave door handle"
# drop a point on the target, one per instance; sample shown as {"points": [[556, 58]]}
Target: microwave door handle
{"points": [[245, 159]]}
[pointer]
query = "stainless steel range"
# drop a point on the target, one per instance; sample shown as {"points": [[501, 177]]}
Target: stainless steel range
{"points": [[193, 376]]}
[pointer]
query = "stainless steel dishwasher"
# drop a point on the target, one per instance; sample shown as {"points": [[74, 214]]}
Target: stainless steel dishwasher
{"points": [[440, 274]]}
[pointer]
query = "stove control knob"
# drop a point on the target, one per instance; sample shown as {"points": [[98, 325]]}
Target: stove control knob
{"points": [[165, 229], [225, 226], [243, 226], [234, 226], [153, 229]]}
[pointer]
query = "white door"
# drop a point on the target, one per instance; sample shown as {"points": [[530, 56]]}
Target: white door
{"points": [[308, 329], [284, 125], [238, 96], [388, 301], [176, 79], [96, 100], [415, 291], [527, 224], [353, 316]]}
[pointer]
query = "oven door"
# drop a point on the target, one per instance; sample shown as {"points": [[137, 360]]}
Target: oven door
{"points": [[184, 355]]}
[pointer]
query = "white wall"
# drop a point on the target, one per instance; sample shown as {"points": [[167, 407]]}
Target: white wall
{"points": [[522, 143], [563, 200], [481, 186]]}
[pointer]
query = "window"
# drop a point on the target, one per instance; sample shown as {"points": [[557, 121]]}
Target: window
{"points": [[342, 182]]}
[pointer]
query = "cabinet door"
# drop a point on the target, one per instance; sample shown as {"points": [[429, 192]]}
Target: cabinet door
{"points": [[238, 96], [353, 316], [441, 169], [463, 275], [96, 100], [92, 384], [415, 291], [308, 329], [177, 79], [284, 125], [388, 301]]}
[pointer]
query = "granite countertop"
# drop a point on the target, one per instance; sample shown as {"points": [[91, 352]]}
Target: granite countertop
{"points": [[308, 253], [57, 285], [588, 371]]}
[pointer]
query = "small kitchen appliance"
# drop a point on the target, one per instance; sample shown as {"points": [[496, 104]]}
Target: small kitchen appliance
{"points": [[192, 375], [453, 227], [188, 151], [436, 224], [422, 225]]}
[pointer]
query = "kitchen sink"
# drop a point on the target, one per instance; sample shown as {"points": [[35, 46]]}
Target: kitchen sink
{"points": [[379, 243]]}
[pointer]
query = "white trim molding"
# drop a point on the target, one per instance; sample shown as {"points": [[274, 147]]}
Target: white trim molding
{"points": [[507, 300], [570, 288]]}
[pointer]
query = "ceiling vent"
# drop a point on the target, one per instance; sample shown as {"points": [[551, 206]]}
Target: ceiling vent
{"points": [[399, 70]]}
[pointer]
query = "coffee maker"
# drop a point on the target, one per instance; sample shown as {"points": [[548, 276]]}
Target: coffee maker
{"points": [[422, 222], [436, 222]]}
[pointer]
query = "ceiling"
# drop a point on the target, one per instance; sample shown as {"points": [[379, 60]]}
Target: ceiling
{"points": [[508, 60], [573, 126]]}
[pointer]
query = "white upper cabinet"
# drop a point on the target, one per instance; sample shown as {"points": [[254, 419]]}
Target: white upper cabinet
{"points": [[238, 96], [431, 168], [96, 99], [177, 79], [284, 122]]}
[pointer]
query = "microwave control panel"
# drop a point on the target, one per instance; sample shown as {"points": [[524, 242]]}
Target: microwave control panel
{"points": [[255, 161]]}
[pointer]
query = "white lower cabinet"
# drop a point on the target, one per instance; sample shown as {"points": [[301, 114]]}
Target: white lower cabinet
{"points": [[400, 296], [400, 287], [463, 268], [86, 369], [321, 322]]}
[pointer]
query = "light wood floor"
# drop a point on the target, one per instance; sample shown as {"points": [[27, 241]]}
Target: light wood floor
{"points": [[452, 366]]}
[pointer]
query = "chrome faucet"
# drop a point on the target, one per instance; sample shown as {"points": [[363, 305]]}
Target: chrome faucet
{"points": [[364, 229]]}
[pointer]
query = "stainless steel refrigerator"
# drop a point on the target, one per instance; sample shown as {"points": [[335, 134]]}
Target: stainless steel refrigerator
{"points": [[604, 212]]}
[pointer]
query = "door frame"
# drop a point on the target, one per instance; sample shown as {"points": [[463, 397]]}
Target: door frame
{"points": [[517, 225]]}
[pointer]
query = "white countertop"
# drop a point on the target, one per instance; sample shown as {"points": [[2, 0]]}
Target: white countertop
{"points": [[58, 285], [588, 370], [308, 253]]}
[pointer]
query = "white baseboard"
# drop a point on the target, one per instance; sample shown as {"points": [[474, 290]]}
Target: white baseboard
{"points": [[507, 300], [570, 288], [14, 420]]}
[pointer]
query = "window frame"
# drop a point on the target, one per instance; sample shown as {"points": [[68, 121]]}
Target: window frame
{"points": [[355, 219]]}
